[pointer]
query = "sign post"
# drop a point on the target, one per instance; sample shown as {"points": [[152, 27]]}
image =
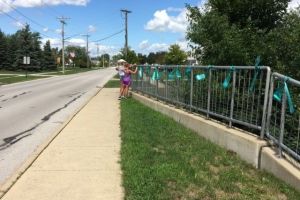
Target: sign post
{"points": [[26, 61]]}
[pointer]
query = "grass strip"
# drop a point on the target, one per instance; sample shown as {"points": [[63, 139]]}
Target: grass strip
{"points": [[161, 159], [16, 79], [112, 84]]}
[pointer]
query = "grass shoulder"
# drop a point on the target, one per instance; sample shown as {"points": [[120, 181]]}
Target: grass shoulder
{"points": [[16, 79], [161, 159]]}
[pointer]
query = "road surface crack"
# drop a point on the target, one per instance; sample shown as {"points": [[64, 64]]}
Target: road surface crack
{"points": [[9, 141]]}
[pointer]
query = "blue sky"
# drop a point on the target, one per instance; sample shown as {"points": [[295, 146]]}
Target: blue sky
{"points": [[153, 25]]}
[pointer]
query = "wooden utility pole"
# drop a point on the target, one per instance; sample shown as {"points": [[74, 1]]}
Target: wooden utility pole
{"points": [[62, 20], [126, 30]]}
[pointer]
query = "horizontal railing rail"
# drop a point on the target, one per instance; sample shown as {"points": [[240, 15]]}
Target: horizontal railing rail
{"points": [[237, 95]]}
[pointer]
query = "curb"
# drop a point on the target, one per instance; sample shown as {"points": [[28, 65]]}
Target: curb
{"points": [[29, 161]]}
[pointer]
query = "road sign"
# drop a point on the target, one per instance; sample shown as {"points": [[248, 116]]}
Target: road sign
{"points": [[26, 60]]}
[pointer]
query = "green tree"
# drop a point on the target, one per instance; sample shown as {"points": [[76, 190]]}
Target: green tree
{"points": [[48, 57], [104, 60], [235, 32], [3, 51], [175, 56], [142, 59], [131, 56], [80, 59]]}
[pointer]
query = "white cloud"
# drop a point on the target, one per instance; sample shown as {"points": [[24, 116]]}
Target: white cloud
{"points": [[19, 24], [163, 22], [144, 44], [92, 29], [146, 47], [294, 4], [6, 5], [46, 29]]}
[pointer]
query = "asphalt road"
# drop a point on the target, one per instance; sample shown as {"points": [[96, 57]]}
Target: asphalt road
{"points": [[31, 111]]}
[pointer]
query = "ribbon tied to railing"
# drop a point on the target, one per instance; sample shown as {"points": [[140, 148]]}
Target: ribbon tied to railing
{"points": [[278, 95], [156, 75], [174, 74], [202, 76], [140, 71], [226, 82], [257, 71]]}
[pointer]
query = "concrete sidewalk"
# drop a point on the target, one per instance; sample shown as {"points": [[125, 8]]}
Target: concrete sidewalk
{"points": [[82, 162]]}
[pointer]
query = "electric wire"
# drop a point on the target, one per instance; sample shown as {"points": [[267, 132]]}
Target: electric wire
{"points": [[15, 19], [107, 37], [28, 18]]}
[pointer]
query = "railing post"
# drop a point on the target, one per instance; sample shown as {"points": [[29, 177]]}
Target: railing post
{"points": [[232, 98], [192, 89], [167, 82], [282, 123], [266, 101], [142, 83], [156, 87], [209, 93], [269, 112]]}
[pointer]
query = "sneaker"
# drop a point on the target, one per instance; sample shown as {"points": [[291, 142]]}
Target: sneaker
{"points": [[119, 98]]}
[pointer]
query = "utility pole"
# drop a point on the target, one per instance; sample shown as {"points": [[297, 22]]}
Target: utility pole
{"points": [[98, 53], [126, 29], [103, 59], [62, 20], [87, 49]]}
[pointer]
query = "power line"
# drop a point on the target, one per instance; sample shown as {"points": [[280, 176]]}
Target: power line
{"points": [[15, 19], [33, 21], [107, 37]]}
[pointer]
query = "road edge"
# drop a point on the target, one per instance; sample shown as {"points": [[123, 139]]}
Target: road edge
{"points": [[4, 188]]}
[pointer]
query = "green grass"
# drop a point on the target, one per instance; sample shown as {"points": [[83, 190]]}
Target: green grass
{"points": [[16, 79], [112, 84], [117, 76], [161, 159]]}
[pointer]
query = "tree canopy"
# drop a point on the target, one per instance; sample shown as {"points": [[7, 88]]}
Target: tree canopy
{"points": [[235, 32]]}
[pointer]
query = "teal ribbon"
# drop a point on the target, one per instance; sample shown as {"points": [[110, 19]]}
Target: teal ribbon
{"points": [[188, 72], [155, 75], [174, 74], [140, 71], [148, 70], [289, 97], [226, 82], [277, 96], [200, 77], [177, 72], [257, 70]]}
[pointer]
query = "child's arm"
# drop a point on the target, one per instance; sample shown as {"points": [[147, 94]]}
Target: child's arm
{"points": [[134, 72]]}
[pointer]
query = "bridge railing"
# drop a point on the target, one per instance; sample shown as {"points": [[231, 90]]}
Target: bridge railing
{"points": [[283, 119], [247, 97]]}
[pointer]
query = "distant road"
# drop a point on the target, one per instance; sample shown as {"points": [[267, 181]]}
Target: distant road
{"points": [[31, 111]]}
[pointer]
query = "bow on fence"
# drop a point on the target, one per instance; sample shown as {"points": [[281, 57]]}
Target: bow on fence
{"points": [[156, 74], [226, 82], [277, 96]]}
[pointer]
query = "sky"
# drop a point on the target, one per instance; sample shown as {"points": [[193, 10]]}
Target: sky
{"points": [[153, 25]]}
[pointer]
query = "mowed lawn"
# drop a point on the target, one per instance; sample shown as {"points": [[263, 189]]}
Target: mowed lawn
{"points": [[161, 159]]}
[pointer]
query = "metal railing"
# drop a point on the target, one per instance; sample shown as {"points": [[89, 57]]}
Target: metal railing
{"points": [[283, 120], [238, 95]]}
